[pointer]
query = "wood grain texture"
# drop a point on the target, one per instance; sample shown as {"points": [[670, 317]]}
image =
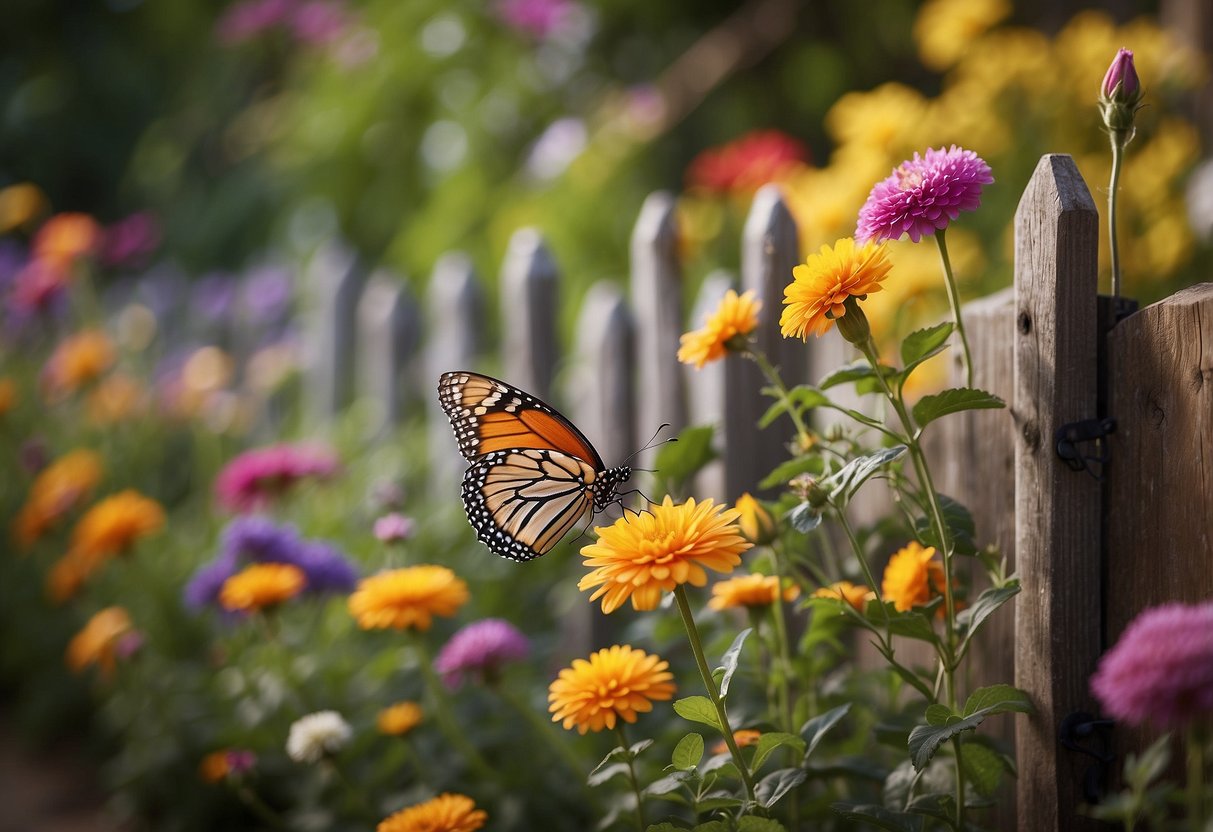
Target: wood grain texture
{"points": [[529, 284], [708, 390], [1057, 510], [601, 393]]}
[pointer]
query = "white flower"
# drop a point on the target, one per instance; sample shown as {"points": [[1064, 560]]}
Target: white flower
{"points": [[315, 735]]}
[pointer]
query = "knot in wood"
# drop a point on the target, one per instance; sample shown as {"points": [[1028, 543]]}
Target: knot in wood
{"points": [[1023, 322], [1031, 435]]}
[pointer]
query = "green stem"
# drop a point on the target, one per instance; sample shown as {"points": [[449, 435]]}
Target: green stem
{"points": [[781, 638], [709, 683], [863, 564], [772, 375], [440, 699], [259, 807], [1196, 778], [1118, 152], [546, 730], [954, 301], [358, 797], [623, 742]]}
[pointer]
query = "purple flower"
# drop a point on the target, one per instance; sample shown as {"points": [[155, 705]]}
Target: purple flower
{"points": [[923, 195], [538, 18], [393, 528], [1161, 669], [203, 587], [213, 296], [266, 294], [249, 18], [480, 648], [326, 568], [1121, 83], [319, 22], [240, 761], [129, 241]]}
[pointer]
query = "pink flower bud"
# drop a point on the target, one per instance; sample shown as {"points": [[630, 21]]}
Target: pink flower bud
{"points": [[1121, 83]]}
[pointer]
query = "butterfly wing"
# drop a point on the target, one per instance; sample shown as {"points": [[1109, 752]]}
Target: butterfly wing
{"points": [[521, 502], [488, 415]]}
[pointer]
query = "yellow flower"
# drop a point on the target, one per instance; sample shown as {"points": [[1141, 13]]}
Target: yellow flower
{"points": [[114, 399], [749, 591], [886, 119], [756, 523], [445, 813], [20, 204], [60, 487], [261, 586], [945, 29], [911, 577], [66, 577], [97, 643], [8, 395], [407, 598], [77, 360], [856, 596], [115, 524], [397, 720], [724, 329], [615, 683], [744, 737], [643, 555], [822, 285]]}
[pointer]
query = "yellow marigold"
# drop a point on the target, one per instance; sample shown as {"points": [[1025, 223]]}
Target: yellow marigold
{"points": [[115, 524], [261, 586], [724, 329], [60, 487], [615, 683], [77, 360], [756, 523], [97, 643], [855, 595], [945, 29], [64, 237], [407, 598], [823, 284], [66, 577], [744, 737], [642, 555], [911, 577], [19, 205], [397, 720], [445, 813], [8, 395], [115, 399], [749, 591]]}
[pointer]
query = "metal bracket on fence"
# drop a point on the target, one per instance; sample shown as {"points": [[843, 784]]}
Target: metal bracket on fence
{"points": [[1069, 436], [1079, 727]]}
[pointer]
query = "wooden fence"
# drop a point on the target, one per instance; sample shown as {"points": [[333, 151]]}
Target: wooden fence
{"points": [[1092, 551]]}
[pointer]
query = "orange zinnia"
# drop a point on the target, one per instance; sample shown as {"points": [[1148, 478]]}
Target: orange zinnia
{"points": [[725, 329], [911, 577], [821, 286], [97, 643], [445, 813], [62, 485], [749, 591], [855, 595], [615, 683], [407, 598], [77, 360], [261, 586]]}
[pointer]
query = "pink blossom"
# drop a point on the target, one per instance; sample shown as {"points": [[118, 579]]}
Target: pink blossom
{"points": [[393, 527], [1121, 83], [256, 477], [481, 648], [538, 18], [319, 22], [1161, 669], [246, 19], [128, 241], [923, 195]]}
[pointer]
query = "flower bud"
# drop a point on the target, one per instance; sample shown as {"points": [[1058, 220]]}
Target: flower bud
{"points": [[757, 524], [1120, 97], [853, 324]]}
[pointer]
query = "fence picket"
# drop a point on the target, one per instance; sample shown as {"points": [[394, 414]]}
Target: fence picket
{"points": [[601, 392], [387, 338], [334, 280], [708, 394], [528, 310]]}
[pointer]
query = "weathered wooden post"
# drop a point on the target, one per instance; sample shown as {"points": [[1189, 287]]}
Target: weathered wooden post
{"points": [[601, 392], [528, 310], [334, 279], [711, 393], [387, 337], [1057, 509]]}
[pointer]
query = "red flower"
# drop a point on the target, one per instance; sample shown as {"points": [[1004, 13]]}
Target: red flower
{"points": [[746, 164]]}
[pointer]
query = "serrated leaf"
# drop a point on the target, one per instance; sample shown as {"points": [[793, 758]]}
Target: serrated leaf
{"points": [[698, 709], [820, 725], [792, 468], [921, 344], [769, 742], [804, 518], [998, 699], [602, 774], [753, 823], [728, 662], [678, 461], [960, 526], [939, 714], [879, 816], [968, 621], [803, 397], [775, 785], [953, 400], [688, 752], [983, 768], [846, 481], [925, 740]]}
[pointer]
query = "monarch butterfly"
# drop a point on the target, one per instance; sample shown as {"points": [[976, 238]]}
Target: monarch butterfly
{"points": [[533, 473]]}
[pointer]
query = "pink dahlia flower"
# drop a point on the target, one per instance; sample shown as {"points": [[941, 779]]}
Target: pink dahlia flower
{"points": [[923, 195], [480, 649], [393, 527], [256, 477], [1161, 669]]}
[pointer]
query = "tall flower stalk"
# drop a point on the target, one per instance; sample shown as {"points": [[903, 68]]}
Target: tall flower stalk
{"points": [[1119, 99]]}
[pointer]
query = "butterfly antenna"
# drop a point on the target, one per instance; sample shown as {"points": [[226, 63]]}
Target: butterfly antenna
{"points": [[651, 442]]}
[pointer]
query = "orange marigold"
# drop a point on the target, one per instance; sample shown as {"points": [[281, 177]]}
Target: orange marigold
{"points": [[615, 683], [77, 360], [725, 329], [756, 523], [407, 598], [60, 487], [115, 524], [66, 236], [67, 576], [856, 595], [115, 399], [641, 555], [261, 586], [911, 577], [97, 643], [744, 737], [749, 591], [821, 286], [445, 813], [397, 720]]}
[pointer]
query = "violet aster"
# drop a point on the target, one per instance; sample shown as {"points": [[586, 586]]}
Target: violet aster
{"points": [[1161, 669], [480, 649], [923, 195], [254, 478]]}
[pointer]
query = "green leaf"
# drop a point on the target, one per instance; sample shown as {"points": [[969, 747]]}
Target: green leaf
{"points": [[937, 714], [698, 709], [983, 767], [792, 468], [678, 461], [604, 773], [921, 344], [667, 784], [849, 372], [688, 752], [664, 827], [712, 826], [804, 518], [954, 400], [970, 620], [914, 623], [820, 725], [711, 804], [998, 699], [960, 526], [879, 816], [849, 477], [637, 747], [728, 662], [925, 740], [803, 397], [775, 785], [939, 806], [753, 823], [769, 742]]}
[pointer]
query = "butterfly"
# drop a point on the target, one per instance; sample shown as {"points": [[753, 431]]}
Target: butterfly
{"points": [[533, 476]]}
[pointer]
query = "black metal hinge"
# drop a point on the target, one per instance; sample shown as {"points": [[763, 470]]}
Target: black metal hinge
{"points": [[1080, 728], [1073, 440]]}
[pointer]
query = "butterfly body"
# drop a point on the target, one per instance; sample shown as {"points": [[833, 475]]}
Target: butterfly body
{"points": [[533, 474]]}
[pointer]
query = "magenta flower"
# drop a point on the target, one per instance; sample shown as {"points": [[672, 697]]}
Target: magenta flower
{"points": [[1121, 83], [393, 528], [256, 477], [129, 241], [1161, 669], [246, 19], [319, 22], [538, 18], [480, 649], [923, 195]]}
